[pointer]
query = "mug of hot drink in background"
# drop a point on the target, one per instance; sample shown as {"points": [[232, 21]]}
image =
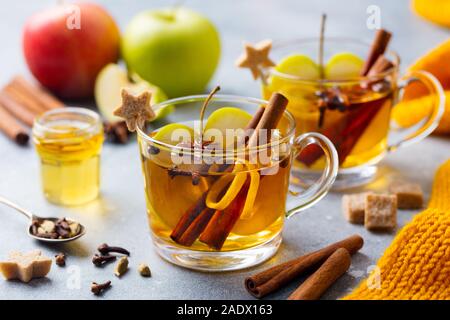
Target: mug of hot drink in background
{"points": [[349, 101]]}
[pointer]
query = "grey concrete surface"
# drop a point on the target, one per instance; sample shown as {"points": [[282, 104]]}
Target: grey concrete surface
{"points": [[118, 216]]}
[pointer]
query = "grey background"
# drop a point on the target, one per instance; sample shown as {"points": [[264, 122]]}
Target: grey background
{"points": [[118, 216]]}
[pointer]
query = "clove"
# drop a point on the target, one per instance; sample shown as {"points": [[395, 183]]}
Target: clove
{"points": [[101, 260], [60, 259], [195, 175], [117, 132], [153, 150], [105, 249], [332, 99], [98, 288]]}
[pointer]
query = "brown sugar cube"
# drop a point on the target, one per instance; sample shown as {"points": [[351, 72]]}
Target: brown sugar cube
{"points": [[409, 195], [353, 207], [380, 212]]}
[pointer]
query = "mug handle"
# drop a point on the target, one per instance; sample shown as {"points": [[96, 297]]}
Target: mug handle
{"points": [[320, 188], [434, 87]]}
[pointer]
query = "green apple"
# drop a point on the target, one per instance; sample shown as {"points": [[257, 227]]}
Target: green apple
{"points": [[176, 49], [109, 84]]}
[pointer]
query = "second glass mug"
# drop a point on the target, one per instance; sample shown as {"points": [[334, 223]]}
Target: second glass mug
{"points": [[362, 132], [186, 228]]}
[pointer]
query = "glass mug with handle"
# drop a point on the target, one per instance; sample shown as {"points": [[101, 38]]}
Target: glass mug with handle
{"points": [[359, 123], [225, 211]]}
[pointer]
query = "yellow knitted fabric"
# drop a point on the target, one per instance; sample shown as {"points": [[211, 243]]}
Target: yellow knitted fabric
{"points": [[417, 263]]}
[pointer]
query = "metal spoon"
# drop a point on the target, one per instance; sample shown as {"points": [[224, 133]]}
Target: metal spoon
{"points": [[33, 217]]}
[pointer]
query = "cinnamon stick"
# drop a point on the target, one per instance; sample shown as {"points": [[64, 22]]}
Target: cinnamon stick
{"points": [[196, 227], [331, 270], [270, 280], [222, 223], [345, 134], [12, 128], [382, 64], [270, 118], [24, 99], [117, 132], [45, 99], [188, 218], [379, 45], [254, 122], [16, 109]]}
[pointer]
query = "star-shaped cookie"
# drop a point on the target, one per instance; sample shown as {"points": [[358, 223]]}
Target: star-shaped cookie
{"points": [[255, 57], [25, 266], [135, 109]]}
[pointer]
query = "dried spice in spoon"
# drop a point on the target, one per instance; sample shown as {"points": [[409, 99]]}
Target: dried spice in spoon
{"points": [[61, 229]]}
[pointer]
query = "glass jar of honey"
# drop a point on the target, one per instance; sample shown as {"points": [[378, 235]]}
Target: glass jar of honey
{"points": [[69, 142]]}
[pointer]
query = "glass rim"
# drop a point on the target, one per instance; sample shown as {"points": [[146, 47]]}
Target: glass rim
{"points": [[40, 125], [285, 43], [218, 152]]}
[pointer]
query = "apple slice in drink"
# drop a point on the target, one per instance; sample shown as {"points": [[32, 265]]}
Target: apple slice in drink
{"points": [[162, 182], [174, 134], [300, 66], [344, 65], [289, 70], [109, 84], [169, 135], [226, 120]]}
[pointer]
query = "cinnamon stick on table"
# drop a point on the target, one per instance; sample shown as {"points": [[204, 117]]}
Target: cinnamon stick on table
{"points": [[16, 109], [23, 98], [117, 132], [40, 95], [270, 280], [331, 270], [12, 128]]}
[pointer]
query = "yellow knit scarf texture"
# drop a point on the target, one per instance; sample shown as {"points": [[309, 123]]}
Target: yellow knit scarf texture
{"points": [[417, 263]]}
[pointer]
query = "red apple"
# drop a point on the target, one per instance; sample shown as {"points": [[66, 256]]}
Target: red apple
{"points": [[66, 46]]}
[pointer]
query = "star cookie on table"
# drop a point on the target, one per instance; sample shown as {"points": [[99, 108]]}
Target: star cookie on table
{"points": [[255, 57], [25, 266], [135, 109]]}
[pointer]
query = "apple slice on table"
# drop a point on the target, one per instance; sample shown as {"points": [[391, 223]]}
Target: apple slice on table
{"points": [[344, 65], [109, 84], [222, 119]]}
